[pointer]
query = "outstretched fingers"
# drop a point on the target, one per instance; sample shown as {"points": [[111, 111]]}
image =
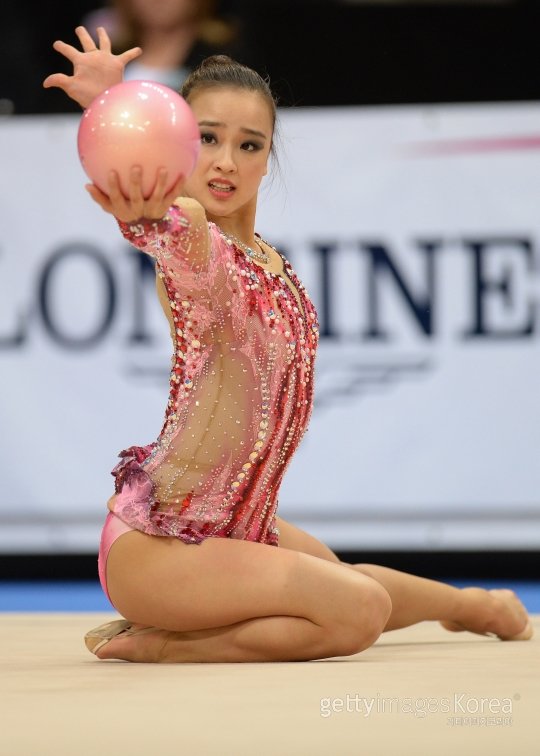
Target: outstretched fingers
{"points": [[129, 55], [57, 80], [103, 39], [86, 40], [103, 44], [68, 51], [95, 67]]}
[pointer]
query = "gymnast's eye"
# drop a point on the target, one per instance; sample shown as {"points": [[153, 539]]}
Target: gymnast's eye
{"points": [[251, 146]]}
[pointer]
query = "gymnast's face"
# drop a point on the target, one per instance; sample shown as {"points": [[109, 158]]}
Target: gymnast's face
{"points": [[236, 136]]}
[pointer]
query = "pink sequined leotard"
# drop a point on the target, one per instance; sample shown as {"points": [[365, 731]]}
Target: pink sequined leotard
{"points": [[241, 387]]}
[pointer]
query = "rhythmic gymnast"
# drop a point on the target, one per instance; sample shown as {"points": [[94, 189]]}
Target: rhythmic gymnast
{"points": [[193, 554]]}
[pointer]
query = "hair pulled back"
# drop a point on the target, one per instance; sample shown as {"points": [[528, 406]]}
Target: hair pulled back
{"points": [[220, 71]]}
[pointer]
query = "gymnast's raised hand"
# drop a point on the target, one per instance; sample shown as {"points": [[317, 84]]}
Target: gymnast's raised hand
{"points": [[95, 68]]}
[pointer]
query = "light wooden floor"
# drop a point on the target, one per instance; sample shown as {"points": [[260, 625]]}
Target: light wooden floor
{"points": [[56, 698]]}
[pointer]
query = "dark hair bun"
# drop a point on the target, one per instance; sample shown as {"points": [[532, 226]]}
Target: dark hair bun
{"points": [[216, 60]]}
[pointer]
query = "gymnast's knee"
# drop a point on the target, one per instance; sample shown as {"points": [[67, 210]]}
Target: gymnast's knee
{"points": [[369, 621]]}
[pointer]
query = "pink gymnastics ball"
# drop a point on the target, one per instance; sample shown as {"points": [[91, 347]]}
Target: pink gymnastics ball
{"points": [[138, 123]]}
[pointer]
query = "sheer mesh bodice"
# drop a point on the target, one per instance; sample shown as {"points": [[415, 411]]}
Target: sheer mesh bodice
{"points": [[241, 387]]}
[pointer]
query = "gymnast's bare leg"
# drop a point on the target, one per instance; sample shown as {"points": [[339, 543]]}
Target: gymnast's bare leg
{"points": [[498, 612], [293, 603], [228, 600]]}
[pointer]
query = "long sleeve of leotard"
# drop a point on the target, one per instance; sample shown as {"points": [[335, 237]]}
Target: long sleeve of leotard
{"points": [[179, 242]]}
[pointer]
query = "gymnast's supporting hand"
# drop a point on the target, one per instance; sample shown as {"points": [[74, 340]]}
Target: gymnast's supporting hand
{"points": [[95, 68], [135, 206]]}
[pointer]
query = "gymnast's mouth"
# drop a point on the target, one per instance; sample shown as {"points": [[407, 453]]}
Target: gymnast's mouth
{"points": [[221, 186]]}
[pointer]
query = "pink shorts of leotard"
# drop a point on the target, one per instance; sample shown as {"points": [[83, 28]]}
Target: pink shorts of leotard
{"points": [[114, 527]]}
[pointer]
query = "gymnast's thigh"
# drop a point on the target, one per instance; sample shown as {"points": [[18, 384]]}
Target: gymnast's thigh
{"points": [[164, 582], [292, 537]]}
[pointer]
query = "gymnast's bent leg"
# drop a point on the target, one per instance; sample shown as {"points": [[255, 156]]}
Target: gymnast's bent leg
{"points": [[415, 599], [227, 600]]}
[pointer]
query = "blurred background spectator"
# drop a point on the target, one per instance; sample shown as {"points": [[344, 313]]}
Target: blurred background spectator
{"points": [[317, 52], [174, 35]]}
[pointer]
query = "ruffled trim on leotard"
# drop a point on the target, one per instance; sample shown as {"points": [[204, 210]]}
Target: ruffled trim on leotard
{"points": [[129, 471], [135, 501]]}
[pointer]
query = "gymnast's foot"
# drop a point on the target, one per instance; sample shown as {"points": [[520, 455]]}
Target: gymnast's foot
{"points": [[497, 612], [128, 641]]}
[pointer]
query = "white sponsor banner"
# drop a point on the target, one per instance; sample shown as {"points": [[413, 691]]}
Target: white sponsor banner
{"points": [[415, 231]]}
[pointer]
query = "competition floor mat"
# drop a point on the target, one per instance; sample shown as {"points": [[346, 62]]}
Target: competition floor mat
{"points": [[419, 690]]}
